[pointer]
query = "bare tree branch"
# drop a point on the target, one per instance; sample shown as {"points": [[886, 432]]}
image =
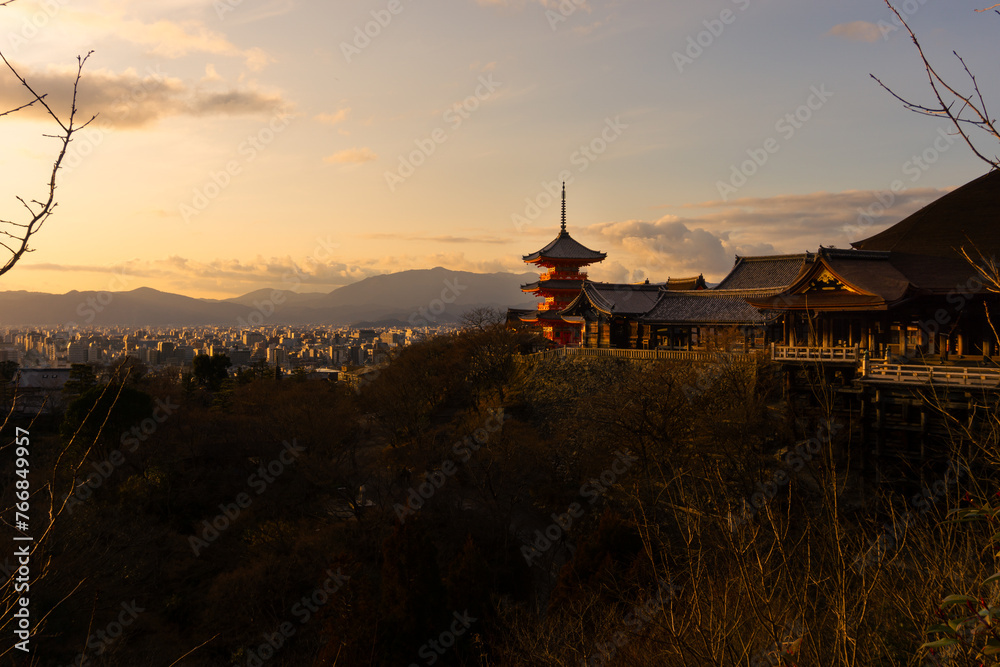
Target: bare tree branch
{"points": [[40, 210], [963, 111]]}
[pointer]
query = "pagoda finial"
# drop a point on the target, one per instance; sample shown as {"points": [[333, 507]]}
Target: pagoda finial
{"points": [[564, 208]]}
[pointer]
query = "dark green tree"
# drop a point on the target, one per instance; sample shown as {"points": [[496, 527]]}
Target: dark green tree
{"points": [[104, 414], [81, 379], [8, 369], [210, 371]]}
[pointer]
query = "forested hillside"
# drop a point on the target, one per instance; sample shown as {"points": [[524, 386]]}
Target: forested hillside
{"points": [[464, 506]]}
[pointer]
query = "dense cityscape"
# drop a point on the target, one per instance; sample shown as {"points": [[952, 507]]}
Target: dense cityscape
{"points": [[286, 347]]}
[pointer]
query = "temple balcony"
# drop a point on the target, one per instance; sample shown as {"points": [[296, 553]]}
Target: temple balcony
{"points": [[563, 275], [925, 375], [839, 355]]}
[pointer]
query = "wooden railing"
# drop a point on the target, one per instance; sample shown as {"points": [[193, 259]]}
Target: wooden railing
{"points": [[554, 275], [835, 354], [954, 376], [649, 355]]}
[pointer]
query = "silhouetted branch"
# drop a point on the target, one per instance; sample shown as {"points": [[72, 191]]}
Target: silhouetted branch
{"points": [[971, 109], [40, 210]]}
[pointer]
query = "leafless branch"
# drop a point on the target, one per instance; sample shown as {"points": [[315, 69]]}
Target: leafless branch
{"points": [[38, 211], [963, 111]]}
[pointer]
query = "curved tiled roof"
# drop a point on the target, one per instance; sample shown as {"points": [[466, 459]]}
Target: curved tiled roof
{"points": [[565, 246], [968, 216], [706, 306], [765, 271], [618, 298], [692, 283]]}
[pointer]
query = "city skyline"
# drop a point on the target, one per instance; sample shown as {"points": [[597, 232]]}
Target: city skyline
{"points": [[240, 143]]}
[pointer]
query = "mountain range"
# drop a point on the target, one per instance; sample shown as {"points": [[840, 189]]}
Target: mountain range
{"points": [[413, 298]]}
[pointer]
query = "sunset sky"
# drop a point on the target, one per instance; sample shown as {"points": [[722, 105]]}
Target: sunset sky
{"points": [[238, 139]]}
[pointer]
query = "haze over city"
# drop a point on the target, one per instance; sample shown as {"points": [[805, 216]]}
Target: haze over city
{"points": [[241, 140]]}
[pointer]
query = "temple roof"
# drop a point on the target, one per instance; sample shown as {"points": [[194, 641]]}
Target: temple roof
{"points": [[765, 271], [705, 306], [566, 247], [617, 298], [552, 285], [843, 280], [686, 284], [966, 217], [532, 316]]}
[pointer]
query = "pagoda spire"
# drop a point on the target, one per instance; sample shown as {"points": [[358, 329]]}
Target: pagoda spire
{"points": [[563, 208]]}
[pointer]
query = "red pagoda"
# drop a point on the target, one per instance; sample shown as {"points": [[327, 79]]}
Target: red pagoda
{"points": [[560, 284]]}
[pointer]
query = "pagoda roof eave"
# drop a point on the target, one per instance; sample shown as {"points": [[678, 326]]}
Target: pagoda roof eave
{"points": [[565, 249]]}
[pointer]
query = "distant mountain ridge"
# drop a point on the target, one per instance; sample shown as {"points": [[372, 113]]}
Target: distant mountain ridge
{"points": [[424, 297]]}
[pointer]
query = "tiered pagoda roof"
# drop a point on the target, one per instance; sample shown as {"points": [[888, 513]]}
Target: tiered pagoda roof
{"points": [[564, 248]]}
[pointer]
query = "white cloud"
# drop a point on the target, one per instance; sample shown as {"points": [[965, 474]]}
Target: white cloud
{"points": [[351, 156], [857, 31], [129, 99], [708, 239], [334, 118]]}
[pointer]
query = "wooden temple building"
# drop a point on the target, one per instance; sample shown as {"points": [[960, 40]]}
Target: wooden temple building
{"points": [[909, 307], [912, 291]]}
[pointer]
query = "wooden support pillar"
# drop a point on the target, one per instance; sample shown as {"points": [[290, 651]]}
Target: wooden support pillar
{"points": [[878, 435], [923, 433], [884, 331]]}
